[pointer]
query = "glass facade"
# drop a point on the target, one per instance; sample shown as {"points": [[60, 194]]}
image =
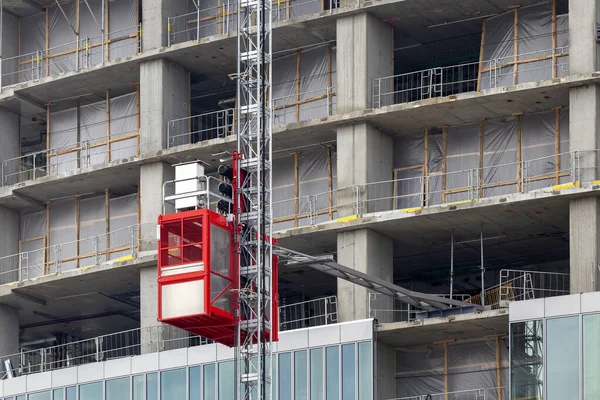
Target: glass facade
{"points": [[556, 358]]}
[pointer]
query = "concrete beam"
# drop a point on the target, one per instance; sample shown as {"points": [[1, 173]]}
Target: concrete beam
{"points": [[365, 51], [154, 18], [583, 49], [368, 252]]}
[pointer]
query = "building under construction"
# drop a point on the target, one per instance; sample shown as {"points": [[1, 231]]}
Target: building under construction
{"points": [[444, 154]]}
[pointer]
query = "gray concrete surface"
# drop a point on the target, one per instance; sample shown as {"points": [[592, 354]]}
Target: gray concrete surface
{"points": [[366, 251], [9, 332], [152, 177], [154, 19], [584, 244]]}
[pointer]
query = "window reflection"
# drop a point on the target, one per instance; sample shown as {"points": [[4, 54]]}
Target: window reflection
{"points": [[527, 364]]}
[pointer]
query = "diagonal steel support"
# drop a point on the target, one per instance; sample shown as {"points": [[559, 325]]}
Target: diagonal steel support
{"points": [[66, 18], [93, 16], [327, 265]]}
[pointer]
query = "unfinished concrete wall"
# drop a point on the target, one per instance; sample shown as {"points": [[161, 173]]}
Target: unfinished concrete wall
{"points": [[384, 369], [366, 251], [9, 333], [154, 18], [584, 242], [9, 135], [365, 51], [584, 54], [164, 96], [152, 177]]}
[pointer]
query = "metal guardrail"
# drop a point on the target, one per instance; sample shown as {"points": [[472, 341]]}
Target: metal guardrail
{"points": [[205, 22], [473, 394], [71, 56], [54, 259], [151, 340], [386, 309], [462, 78], [309, 313], [212, 125]]}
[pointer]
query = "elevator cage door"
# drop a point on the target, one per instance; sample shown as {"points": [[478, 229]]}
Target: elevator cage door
{"points": [[197, 274]]}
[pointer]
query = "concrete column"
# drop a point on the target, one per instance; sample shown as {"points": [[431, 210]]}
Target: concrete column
{"points": [[155, 14], [164, 96], [385, 373], [9, 245], [365, 155], [9, 334], [366, 251], [365, 51], [585, 244], [584, 138]]}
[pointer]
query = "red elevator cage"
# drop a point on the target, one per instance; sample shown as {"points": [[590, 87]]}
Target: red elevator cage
{"points": [[198, 268]]}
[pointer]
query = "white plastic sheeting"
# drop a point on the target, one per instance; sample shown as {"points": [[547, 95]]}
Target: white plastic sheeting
{"points": [[420, 370], [123, 17], [63, 235], [92, 223], [33, 226], [88, 29], [313, 176], [534, 46], [500, 174], [63, 136], [283, 192], [93, 131], [122, 215], [123, 122], [61, 38], [312, 66]]}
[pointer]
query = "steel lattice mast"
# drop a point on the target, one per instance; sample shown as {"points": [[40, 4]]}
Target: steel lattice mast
{"points": [[253, 202]]}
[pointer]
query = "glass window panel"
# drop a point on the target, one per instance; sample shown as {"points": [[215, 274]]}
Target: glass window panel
{"points": [[209, 382], [332, 382], [72, 393], [91, 391], [300, 375], [226, 389], [41, 396], [195, 379], [172, 384], [527, 363], [591, 357], [275, 376], [348, 372], [118, 389], [365, 375], [285, 376], [152, 386], [562, 353], [21, 397], [316, 374], [58, 394], [138, 387]]}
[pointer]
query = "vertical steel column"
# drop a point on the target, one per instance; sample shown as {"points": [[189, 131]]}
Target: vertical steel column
{"points": [[253, 199]]}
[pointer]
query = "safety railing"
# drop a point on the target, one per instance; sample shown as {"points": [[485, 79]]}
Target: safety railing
{"points": [[410, 194], [470, 77], [70, 157], [309, 313], [386, 309], [306, 105], [212, 125], [147, 340], [117, 244], [222, 19], [518, 285], [472, 394], [72, 56]]}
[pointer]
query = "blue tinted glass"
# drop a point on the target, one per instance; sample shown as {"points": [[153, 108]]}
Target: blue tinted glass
{"points": [[58, 394], [91, 391], [591, 357], [72, 393], [285, 376], [226, 388], [195, 379], [152, 386], [209, 382], [41, 396], [332, 382], [117, 389], [138, 387], [300, 375], [348, 372], [316, 374], [365, 376], [172, 384], [562, 354]]}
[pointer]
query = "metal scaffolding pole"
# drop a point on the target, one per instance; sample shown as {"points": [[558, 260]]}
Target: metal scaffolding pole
{"points": [[482, 270], [451, 262]]}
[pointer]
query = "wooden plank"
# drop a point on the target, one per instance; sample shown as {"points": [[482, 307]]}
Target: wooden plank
{"points": [[77, 32], [78, 131], [298, 86], [47, 252], [32, 239], [296, 188], [48, 40], [107, 217], [107, 27], [47, 130], [77, 226], [554, 40], [426, 169], [519, 156], [525, 61], [107, 126], [303, 101], [557, 145], [498, 368], [516, 47], [444, 165], [137, 116], [329, 80], [18, 48], [446, 387], [481, 51], [481, 130], [330, 180], [221, 17]]}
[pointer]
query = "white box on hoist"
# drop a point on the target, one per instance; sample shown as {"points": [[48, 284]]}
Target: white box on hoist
{"points": [[186, 181]]}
